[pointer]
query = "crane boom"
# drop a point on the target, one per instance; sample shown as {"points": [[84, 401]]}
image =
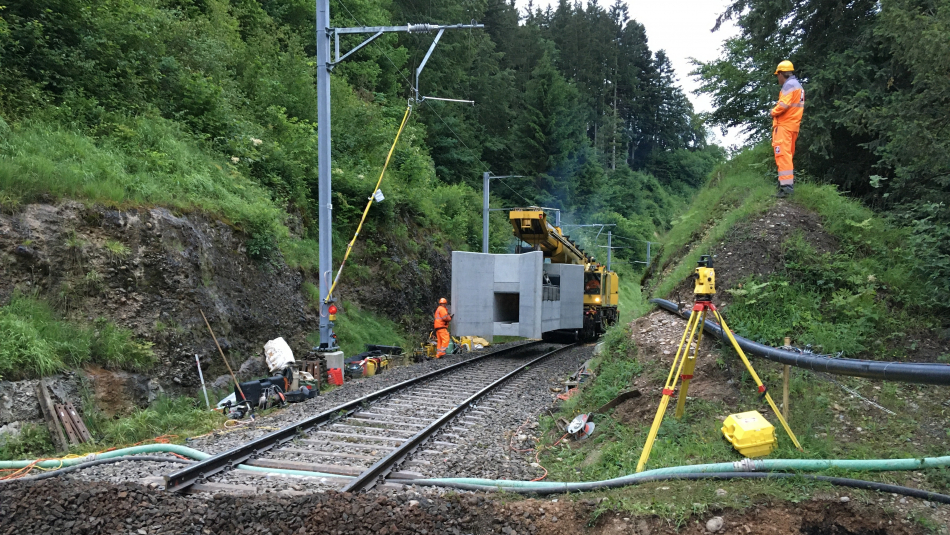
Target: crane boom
{"points": [[531, 226]]}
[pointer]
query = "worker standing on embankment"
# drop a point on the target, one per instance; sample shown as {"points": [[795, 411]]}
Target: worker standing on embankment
{"points": [[786, 119], [441, 325]]}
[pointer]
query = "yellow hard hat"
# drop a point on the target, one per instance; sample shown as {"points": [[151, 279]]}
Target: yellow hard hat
{"points": [[443, 301], [785, 66]]}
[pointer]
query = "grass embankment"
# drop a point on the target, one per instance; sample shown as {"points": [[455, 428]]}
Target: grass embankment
{"points": [[868, 298], [172, 418], [864, 298], [37, 342], [358, 327]]}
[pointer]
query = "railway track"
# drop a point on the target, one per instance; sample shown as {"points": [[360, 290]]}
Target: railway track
{"points": [[355, 446]]}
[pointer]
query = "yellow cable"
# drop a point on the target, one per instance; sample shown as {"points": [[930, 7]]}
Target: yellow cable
{"points": [[369, 204]]}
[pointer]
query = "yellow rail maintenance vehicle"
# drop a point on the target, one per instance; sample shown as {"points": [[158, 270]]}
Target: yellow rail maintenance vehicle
{"points": [[601, 297]]}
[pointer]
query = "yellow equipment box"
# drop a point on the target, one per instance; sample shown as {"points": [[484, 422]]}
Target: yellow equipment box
{"points": [[750, 433]]}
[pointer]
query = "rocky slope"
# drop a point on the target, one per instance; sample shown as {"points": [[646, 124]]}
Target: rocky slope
{"points": [[154, 271]]}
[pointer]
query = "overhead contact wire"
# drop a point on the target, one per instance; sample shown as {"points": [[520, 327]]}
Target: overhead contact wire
{"points": [[369, 203]]}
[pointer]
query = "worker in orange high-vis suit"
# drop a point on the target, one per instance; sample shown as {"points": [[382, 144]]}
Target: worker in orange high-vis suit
{"points": [[786, 119], [441, 325]]}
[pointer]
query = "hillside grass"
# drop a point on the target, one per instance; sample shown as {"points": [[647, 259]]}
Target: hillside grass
{"points": [[35, 342], [868, 298], [736, 190], [357, 327], [173, 418], [865, 298], [138, 161]]}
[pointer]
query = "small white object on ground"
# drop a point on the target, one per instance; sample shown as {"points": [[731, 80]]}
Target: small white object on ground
{"points": [[721, 492], [714, 524], [845, 499]]}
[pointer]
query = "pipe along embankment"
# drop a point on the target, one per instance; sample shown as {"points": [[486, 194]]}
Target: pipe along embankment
{"points": [[62, 466], [905, 372], [745, 469]]}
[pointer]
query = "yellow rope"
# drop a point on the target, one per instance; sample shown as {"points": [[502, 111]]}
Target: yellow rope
{"points": [[369, 203]]}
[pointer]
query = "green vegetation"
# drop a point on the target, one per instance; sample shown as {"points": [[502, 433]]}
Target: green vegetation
{"points": [[179, 416], [36, 342], [210, 106], [632, 302], [868, 297], [33, 441], [175, 418], [614, 370], [879, 136], [361, 327], [736, 190]]}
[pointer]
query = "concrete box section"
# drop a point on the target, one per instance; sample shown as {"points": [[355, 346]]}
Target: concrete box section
{"points": [[514, 295]]}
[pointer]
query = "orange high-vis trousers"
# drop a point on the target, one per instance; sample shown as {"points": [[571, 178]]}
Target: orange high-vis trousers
{"points": [[442, 344], [783, 144]]}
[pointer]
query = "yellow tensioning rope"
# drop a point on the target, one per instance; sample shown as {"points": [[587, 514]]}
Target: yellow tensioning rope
{"points": [[369, 203]]}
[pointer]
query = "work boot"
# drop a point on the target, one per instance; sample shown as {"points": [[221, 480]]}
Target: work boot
{"points": [[785, 191]]}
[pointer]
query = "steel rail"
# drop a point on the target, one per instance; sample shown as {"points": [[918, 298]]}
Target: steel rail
{"points": [[226, 460], [382, 467]]}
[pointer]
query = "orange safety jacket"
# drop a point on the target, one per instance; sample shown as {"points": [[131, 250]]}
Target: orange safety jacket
{"points": [[442, 317], [791, 105]]}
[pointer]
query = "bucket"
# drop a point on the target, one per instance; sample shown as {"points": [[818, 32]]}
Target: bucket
{"points": [[334, 359], [335, 376]]}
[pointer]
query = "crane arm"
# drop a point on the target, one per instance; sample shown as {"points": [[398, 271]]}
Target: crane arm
{"points": [[531, 226]]}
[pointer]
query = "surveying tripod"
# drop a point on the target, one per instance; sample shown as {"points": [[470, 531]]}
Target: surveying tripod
{"points": [[684, 363]]}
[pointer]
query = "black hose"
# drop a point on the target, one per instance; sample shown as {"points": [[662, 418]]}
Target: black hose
{"points": [[97, 462], [907, 372], [561, 488]]}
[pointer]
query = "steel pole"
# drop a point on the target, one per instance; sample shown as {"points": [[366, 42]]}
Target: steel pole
{"points": [[648, 254], [609, 250], [325, 208], [485, 211]]}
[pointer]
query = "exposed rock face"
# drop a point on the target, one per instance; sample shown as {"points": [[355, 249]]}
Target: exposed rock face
{"points": [[18, 401], [154, 272]]}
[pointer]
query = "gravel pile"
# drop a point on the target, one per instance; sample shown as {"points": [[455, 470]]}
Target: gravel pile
{"points": [[55, 506]]}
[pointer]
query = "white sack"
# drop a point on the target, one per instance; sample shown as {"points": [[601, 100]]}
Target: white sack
{"points": [[278, 355]]}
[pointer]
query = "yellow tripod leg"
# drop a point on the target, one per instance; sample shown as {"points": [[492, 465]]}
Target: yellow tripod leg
{"points": [[689, 367], [758, 381], [668, 389]]}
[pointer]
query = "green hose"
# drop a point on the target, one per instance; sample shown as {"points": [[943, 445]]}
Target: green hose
{"points": [[134, 450], [745, 465], [153, 448]]}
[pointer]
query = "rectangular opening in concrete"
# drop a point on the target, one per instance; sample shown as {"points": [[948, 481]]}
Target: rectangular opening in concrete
{"points": [[507, 307]]}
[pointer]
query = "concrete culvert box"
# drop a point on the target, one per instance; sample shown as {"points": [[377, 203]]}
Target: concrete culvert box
{"points": [[514, 295]]}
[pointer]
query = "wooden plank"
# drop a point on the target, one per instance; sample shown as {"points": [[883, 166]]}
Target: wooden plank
{"points": [[361, 437], [377, 416], [49, 414], [786, 374], [379, 447], [373, 428], [78, 423], [63, 416], [306, 467], [321, 453]]}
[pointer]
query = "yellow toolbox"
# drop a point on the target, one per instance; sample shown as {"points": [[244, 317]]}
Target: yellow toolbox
{"points": [[750, 433]]}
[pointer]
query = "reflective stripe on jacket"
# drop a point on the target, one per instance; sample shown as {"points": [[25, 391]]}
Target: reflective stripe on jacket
{"points": [[791, 104], [442, 317]]}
